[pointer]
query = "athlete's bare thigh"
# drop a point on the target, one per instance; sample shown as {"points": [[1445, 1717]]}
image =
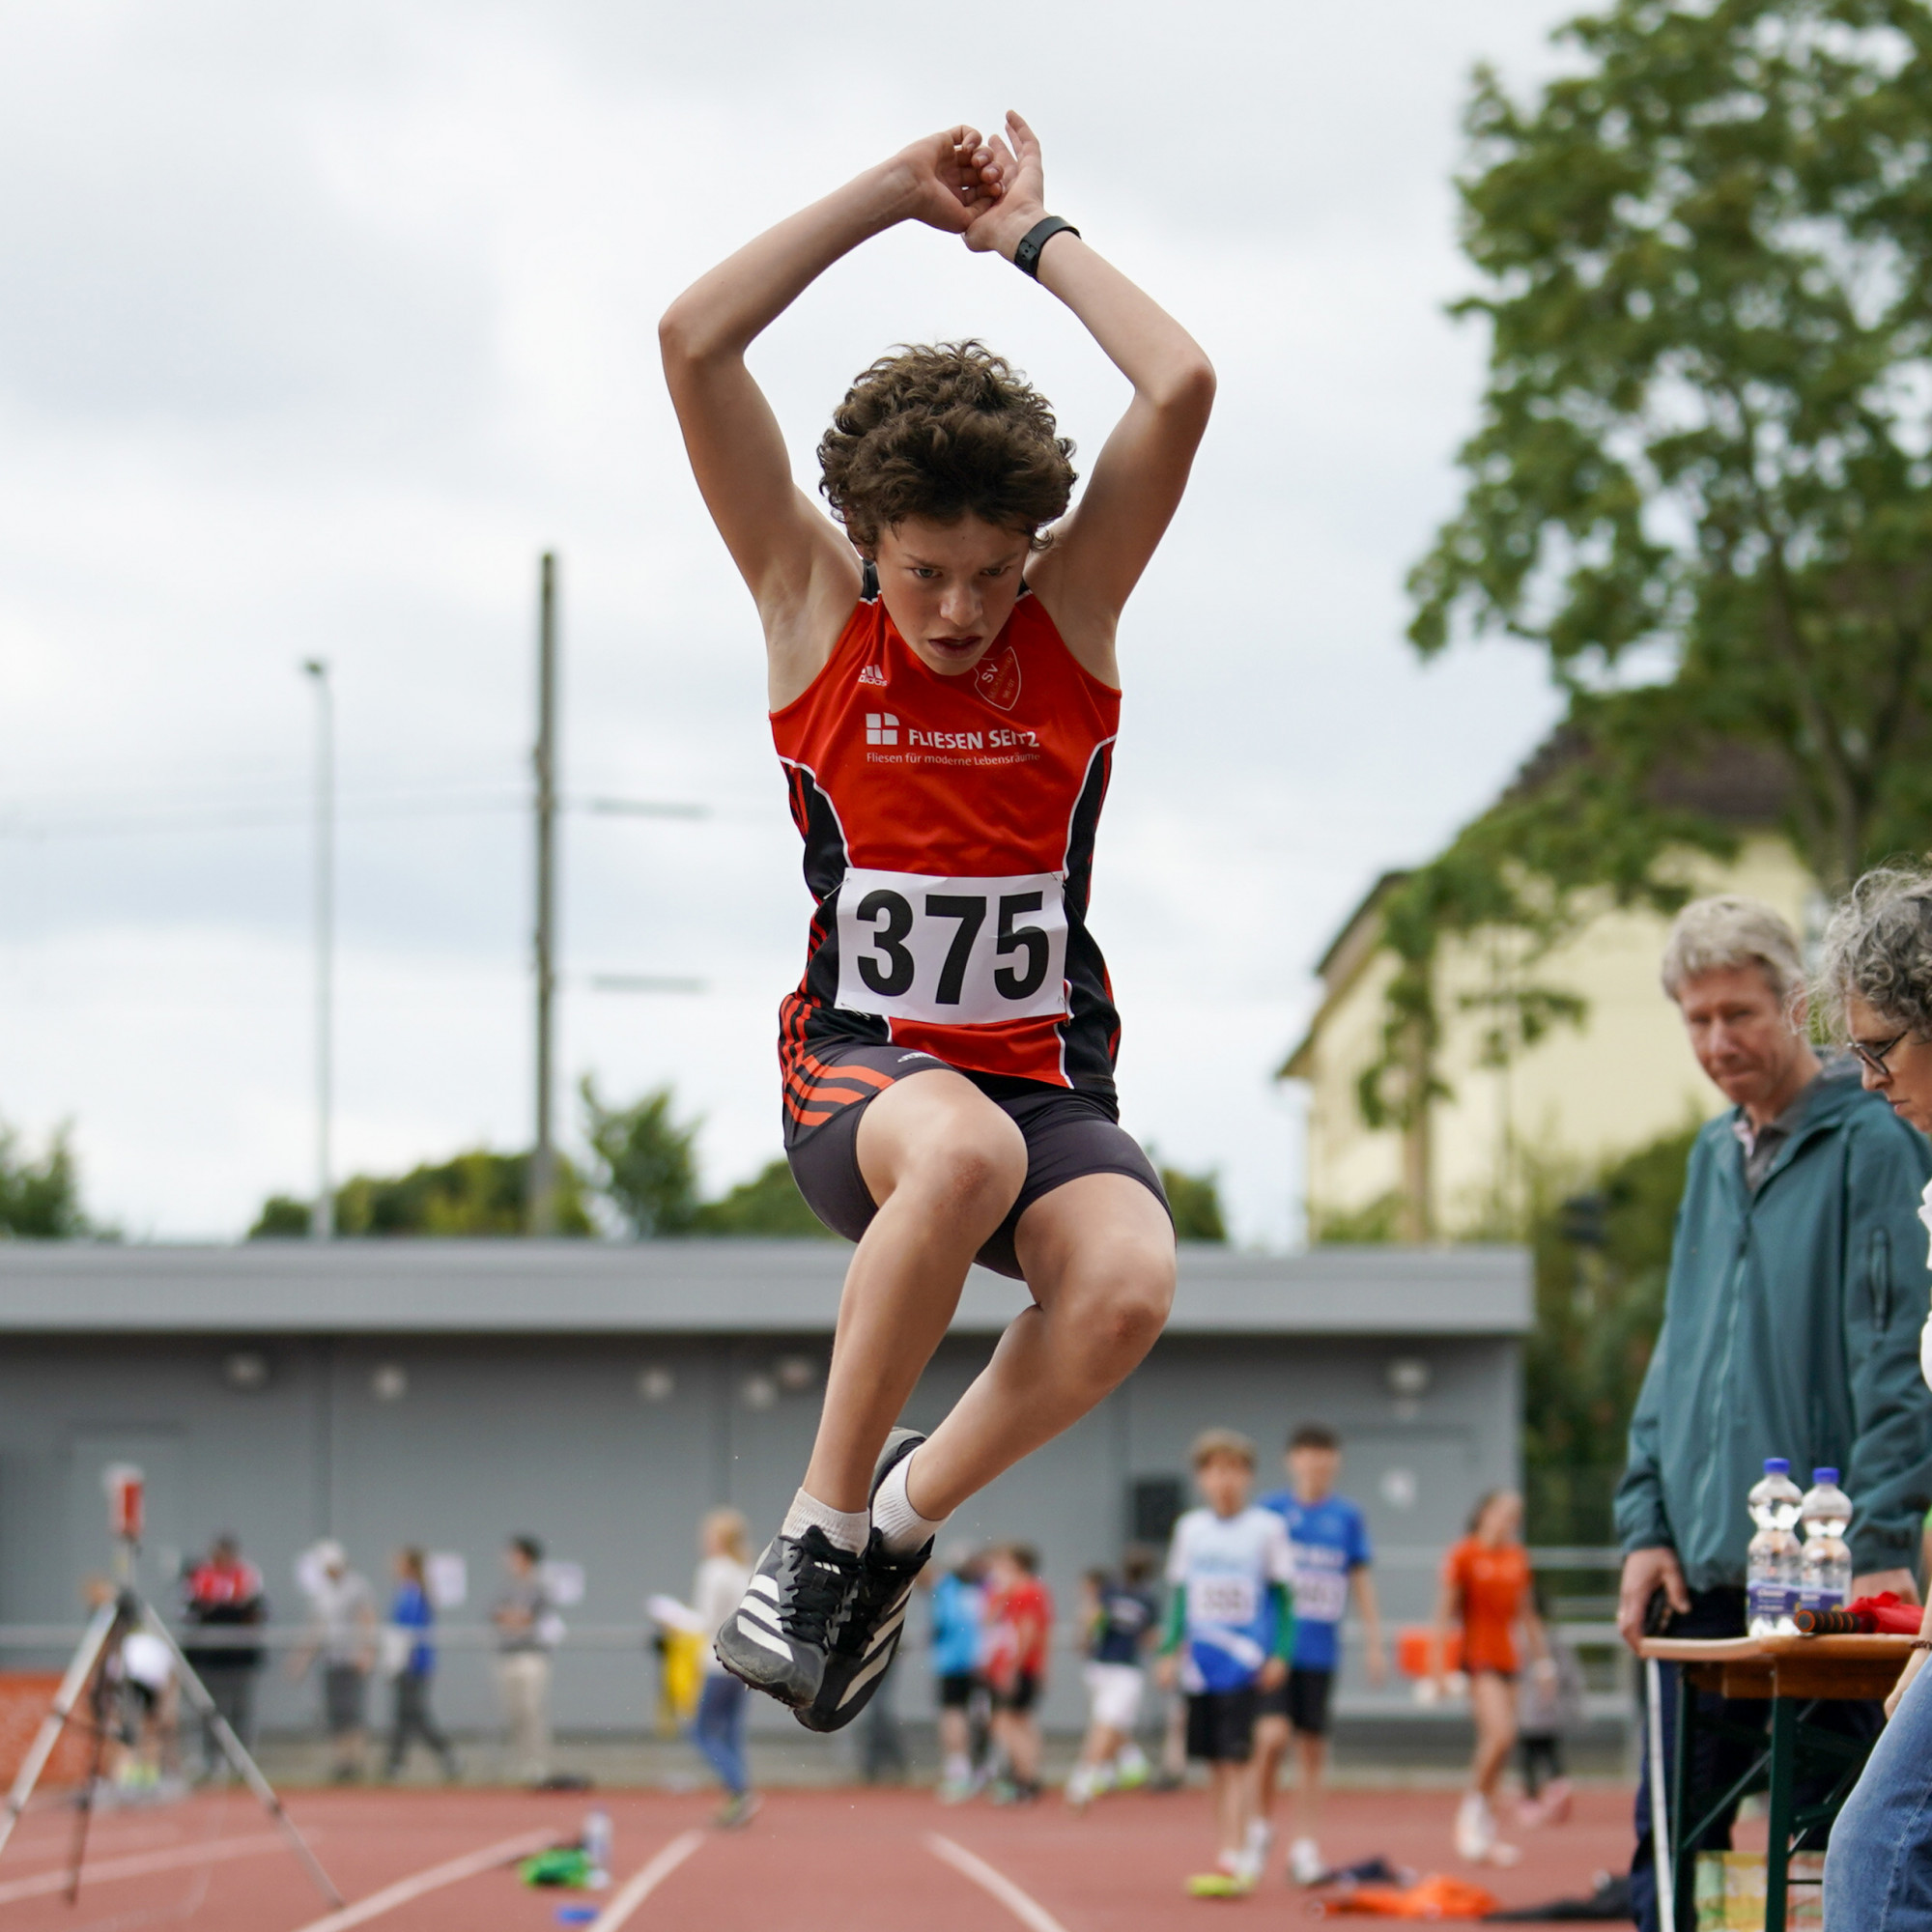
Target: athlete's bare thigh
{"points": [[935, 1129]]}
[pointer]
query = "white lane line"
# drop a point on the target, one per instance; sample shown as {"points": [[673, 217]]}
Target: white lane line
{"points": [[640, 1886], [138, 1865], [434, 1879], [1027, 1910]]}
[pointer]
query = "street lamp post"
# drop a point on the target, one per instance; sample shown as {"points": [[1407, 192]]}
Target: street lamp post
{"points": [[541, 1206], [322, 1213]]}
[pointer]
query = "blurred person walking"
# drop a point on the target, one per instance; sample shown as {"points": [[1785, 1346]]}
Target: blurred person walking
{"points": [[1019, 1635], [1329, 1537], [1486, 1597], [956, 1609], [1122, 1620], [411, 1663], [1876, 981], [1550, 1706], [526, 1630], [342, 1637], [223, 1592], [718, 1728], [1797, 1282]]}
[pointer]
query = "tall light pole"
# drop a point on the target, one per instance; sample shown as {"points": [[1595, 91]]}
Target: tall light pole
{"points": [[543, 1159], [322, 1214]]}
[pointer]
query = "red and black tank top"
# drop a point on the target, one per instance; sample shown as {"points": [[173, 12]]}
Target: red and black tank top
{"points": [[949, 844]]}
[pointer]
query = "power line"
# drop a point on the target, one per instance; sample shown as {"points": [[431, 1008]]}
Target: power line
{"points": [[16, 822]]}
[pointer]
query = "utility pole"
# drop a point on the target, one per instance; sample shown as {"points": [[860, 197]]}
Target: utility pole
{"points": [[322, 1214], [543, 1159]]}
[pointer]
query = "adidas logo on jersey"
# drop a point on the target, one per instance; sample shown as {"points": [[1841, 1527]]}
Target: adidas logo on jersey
{"points": [[872, 674], [881, 729]]}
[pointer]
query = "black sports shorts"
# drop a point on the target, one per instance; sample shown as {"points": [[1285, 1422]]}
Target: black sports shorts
{"points": [[957, 1689], [1221, 1726], [1068, 1132], [1302, 1698], [1020, 1696]]}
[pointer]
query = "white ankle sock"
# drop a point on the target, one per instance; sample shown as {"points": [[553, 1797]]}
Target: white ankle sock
{"points": [[848, 1530], [900, 1525]]}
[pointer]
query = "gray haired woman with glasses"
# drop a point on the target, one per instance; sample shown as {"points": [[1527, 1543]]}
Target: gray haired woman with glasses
{"points": [[1875, 981]]}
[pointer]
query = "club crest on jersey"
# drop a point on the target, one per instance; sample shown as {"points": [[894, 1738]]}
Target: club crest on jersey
{"points": [[872, 674], [998, 680]]}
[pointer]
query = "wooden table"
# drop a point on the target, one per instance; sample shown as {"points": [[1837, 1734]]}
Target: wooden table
{"points": [[1795, 1674]]}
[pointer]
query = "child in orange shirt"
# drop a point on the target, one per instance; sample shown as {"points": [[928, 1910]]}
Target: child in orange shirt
{"points": [[1486, 1590]]}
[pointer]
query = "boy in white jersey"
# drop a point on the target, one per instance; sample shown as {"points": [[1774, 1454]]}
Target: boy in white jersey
{"points": [[1230, 1632]]}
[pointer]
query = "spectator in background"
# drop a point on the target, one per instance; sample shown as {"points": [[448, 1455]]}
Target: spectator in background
{"points": [[1797, 1284], [342, 1637], [723, 1574], [1121, 1619], [958, 1604], [524, 1614], [1551, 1704], [223, 1592], [1019, 1634], [1486, 1595], [411, 1664], [1876, 976], [1329, 1537]]}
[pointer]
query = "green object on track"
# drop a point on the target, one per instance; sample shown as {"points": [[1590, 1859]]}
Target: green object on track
{"points": [[562, 1864]]}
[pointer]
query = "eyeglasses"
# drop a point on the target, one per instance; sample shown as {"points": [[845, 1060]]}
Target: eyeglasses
{"points": [[1875, 1054]]}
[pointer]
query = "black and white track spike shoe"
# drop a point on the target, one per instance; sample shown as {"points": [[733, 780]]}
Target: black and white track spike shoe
{"points": [[780, 1637], [868, 1639]]}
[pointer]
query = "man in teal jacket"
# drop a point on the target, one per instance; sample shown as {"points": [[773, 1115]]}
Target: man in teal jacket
{"points": [[1798, 1289]]}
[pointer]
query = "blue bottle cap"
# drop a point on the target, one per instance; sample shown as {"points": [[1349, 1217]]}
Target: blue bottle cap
{"points": [[1823, 1476], [1778, 1465]]}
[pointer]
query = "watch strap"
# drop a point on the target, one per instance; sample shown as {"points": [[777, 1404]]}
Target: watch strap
{"points": [[1026, 257]]}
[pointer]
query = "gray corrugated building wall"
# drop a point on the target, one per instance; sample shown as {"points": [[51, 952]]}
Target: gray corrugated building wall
{"points": [[604, 1396]]}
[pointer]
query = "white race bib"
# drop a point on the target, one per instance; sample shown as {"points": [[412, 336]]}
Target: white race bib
{"points": [[1222, 1600], [953, 952], [1320, 1596]]}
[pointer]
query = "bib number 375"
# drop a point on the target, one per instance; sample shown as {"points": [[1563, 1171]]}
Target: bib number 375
{"points": [[958, 952]]}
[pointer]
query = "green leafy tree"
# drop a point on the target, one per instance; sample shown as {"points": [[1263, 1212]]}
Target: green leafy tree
{"points": [[1707, 268], [283, 1218], [1195, 1200], [477, 1193], [39, 1199], [769, 1203], [1602, 1256], [1699, 483], [647, 1161]]}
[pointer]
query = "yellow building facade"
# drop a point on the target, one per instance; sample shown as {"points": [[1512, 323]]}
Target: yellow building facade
{"points": [[1582, 1095]]}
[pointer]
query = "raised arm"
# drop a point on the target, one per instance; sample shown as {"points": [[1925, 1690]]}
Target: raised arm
{"points": [[1101, 548], [799, 568]]}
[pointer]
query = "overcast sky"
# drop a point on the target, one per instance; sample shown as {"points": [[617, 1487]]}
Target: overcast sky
{"points": [[318, 324]]}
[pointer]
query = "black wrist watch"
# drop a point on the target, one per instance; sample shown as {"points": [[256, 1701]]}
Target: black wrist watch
{"points": [[1026, 257]]}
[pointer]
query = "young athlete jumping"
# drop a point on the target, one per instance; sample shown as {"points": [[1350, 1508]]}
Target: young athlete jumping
{"points": [[945, 699]]}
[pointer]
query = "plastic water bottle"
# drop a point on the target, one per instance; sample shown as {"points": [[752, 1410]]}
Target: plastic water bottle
{"points": [[597, 1848], [1826, 1566], [1772, 1578]]}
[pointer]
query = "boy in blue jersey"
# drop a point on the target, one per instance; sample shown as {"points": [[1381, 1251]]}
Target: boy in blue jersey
{"points": [[1329, 1541], [1229, 1628], [959, 1604]]}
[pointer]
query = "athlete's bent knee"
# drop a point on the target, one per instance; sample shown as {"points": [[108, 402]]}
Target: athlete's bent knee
{"points": [[977, 1176], [1120, 1314], [1137, 1308]]}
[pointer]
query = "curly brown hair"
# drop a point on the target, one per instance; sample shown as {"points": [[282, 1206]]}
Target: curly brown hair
{"points": [[942, 431]]}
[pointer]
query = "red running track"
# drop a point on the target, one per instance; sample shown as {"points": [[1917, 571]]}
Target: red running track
{"points": [[811, 1861]]}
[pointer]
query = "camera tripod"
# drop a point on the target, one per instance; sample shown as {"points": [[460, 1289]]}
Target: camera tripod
{"points": [[89, 1681]]}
